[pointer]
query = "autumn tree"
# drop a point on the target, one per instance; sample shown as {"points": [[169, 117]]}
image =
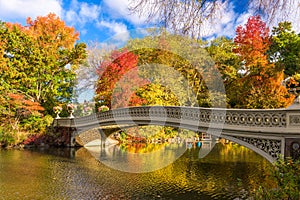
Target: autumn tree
{"points": [[39, 59], [86, 73], [19, 107], [119, 64], [157, 94], [176, 64], [37, 71], [159, 69], [226, 61], [260, 84]]}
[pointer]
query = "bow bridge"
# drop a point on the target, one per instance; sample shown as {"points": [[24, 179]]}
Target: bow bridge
{"points": [[269, 132]]}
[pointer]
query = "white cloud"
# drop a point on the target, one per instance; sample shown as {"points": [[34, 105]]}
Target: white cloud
{"points": [[119, 9], [89, 11], [71, 16], [291, 13], [228, 21], [81, 12], [119, 30], [243, 18], [223, 24], [21, 9]]}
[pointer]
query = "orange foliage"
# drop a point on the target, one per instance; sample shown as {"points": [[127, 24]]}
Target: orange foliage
{"points": [[260, 84], [20, 102], [50, 30], [270, 94]]}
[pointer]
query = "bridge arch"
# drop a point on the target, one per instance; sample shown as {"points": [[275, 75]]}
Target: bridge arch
{"points": [[260, 146]]}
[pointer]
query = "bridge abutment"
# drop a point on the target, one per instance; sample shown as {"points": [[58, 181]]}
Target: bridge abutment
{"points": [[292, 148], [65, 136]]}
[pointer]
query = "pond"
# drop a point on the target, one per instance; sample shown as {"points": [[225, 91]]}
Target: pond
{"points": [[228, 171]]}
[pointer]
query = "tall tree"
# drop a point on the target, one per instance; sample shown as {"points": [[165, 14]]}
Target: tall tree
{"points": [[39, 59], [179, 64], [226, 61], [285, 48], [119, 64], [252, 44], [260, 84]]}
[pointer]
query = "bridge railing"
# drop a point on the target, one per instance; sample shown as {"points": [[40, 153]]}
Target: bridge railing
{"points": [[268, 120]]}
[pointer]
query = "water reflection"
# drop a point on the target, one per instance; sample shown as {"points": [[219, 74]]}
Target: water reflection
{"points": [[44, 175], [138, 158]]}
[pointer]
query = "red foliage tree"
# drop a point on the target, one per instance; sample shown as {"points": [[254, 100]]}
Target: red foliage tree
{"points": [[118, 79], [260, 82], [252, 43]]}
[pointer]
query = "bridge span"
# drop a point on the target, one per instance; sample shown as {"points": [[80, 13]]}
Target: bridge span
{"points": [[269, 132]]}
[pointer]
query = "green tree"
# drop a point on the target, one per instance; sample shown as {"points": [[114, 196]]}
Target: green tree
{"points": [[228, 63], [285, 49], [39, 59], [37, 71], [178, 64], [286, 177]]}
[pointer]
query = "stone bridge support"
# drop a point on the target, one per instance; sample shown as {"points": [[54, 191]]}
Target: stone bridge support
{"points": [[292, 148], [86, 138], [64, 136]]}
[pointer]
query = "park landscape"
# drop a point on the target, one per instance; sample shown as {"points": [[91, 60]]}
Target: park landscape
{"points": [[45, 67]]}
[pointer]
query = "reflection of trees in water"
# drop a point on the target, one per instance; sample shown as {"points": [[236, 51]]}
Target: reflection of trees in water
{"points": [[158, 132], [234, 163], [141, 147], [220, 172], [227, 169]]}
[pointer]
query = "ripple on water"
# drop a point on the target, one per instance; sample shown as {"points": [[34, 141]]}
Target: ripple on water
{"points": [[34, 175]]}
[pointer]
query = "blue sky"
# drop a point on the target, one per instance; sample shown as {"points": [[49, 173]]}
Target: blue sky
{"points": [[98, 20]]}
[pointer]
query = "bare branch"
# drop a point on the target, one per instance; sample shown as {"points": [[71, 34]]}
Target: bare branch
{"points": [[186, 17], [86, 73]]}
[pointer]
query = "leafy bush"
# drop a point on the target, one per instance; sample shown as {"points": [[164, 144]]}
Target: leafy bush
{"points": [[36, 124], [7, 138], [286, 175]]}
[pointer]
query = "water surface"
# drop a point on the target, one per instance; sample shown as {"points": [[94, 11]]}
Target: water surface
{"points": [[227, 172]]}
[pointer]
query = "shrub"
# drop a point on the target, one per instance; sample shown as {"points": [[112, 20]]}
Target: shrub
{"points": [[7, 137], [36, 124], [286, 175]]}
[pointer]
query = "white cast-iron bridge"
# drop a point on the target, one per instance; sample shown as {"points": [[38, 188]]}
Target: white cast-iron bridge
{"points": [[269, 132]]}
